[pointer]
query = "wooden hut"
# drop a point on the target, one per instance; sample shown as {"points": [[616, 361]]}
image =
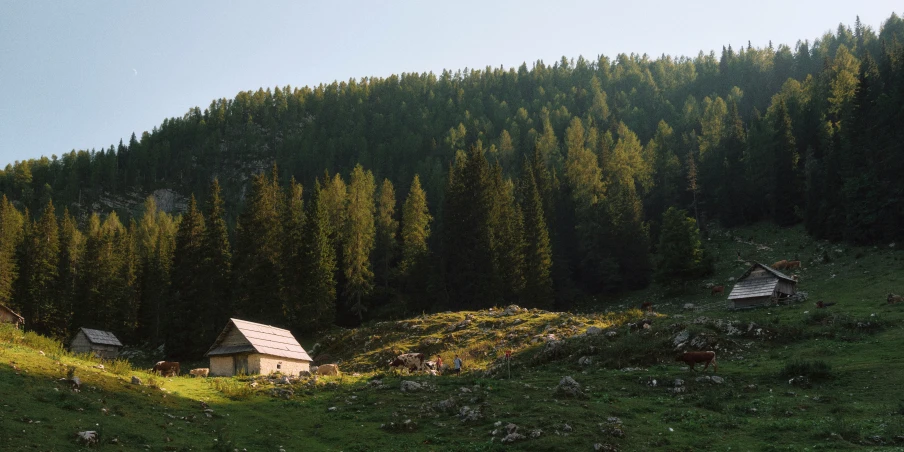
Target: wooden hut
{"points": [[252, 348], [102, 344], [760, 285], [7, 315]]}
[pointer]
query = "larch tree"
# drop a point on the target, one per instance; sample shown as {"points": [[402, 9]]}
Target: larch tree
{"points": [[358, 240]]}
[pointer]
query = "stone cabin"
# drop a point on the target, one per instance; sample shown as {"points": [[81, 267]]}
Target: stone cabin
{"points": [[760, 285], [252, 348], [7, 315], [103, 344]]}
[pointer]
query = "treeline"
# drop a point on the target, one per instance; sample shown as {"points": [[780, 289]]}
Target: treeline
{"points": [[545, 184]]}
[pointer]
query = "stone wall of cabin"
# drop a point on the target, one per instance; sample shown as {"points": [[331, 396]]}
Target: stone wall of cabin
{"points": [[266, 364], [221, 366]]}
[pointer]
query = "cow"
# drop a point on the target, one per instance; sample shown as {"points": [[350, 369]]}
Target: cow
{"points": [[411, 361], [646, 306], [892, 298], [166, 368], [328, 369], [200, 372], [791, 265], [780, 264], [692, 358], [717, 289]]}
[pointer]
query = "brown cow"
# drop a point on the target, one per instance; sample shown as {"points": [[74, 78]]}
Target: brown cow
{"points": [[166, 368], [717, 289], [692, 358], [780, 264], [892, 298], [646, 306], [791, 265], [328, 369]]}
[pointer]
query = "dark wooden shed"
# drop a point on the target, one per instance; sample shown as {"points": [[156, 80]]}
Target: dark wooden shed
{"points": [[760, 285], [7, 315], [102, 344]]}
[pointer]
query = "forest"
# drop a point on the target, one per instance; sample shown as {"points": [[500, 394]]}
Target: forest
{"points": [[379, 197]]}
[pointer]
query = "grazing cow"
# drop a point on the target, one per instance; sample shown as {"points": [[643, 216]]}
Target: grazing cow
{"points": [[780, 264], [892, 298], [717, 289], [411, 361], [166, 368], [200, 372], [692, 358], [646, 306], [328, 369], [791, 265]]}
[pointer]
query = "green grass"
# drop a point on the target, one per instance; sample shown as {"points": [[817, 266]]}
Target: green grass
{"points": [[857, 343]]}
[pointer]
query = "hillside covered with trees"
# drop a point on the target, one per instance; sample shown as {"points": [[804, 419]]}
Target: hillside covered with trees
{"points": [[378, 197]]}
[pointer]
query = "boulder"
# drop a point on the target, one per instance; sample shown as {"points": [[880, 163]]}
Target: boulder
{"points": [[569, 387], [512, 437], [594, 330], [585, 361], [681, 337], [467, 414], [136, 380]]}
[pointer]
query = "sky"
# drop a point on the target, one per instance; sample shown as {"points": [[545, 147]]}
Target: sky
{"points": [[83, 75]]}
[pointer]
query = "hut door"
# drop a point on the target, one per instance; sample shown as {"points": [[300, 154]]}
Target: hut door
{"points": [[241, 365]]}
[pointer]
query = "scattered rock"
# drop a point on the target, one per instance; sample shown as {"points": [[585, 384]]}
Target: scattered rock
{"points": [[512, 437], [467, 414], [304, 374], [593, 330], [678, 382], [567, 428], [535, 433], [681, 338], [512, 309], [445, 405], [689, 306], [585, 361], [411, 386], [136, 380]]}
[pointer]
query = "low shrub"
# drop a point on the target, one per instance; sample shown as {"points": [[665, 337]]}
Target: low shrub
{"points": [[231, 388], [120, 366]]}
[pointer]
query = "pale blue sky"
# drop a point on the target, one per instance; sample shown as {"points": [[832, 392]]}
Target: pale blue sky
{"points": [[81, 75]]}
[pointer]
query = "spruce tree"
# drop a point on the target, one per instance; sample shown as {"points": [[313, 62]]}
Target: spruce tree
{"points": [[785, 153], [43, 259], [318, 309], [216, 267], [293, 219], [185, 309], [681, 253], [416, 221], [156, 244], [538, 289]]}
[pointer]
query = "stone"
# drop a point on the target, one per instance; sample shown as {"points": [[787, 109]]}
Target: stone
{"points": [[304, 374], [678, 382], [689, 306], [512, 309], [594, 330], [136, 380], [467, 414], [535, 433], [411, 386], [681, 337], [585, 361], [512, 437], [446, 405]]}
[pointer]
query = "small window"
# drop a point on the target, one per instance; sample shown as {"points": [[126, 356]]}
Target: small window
{"points": [[278, 366]]}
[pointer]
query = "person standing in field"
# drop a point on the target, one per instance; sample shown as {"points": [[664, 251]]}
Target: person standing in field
{"points": [[439, 363], [456, 365]]}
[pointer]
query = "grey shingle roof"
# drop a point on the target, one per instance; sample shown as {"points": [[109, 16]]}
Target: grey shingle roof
{"points": [[264, 339], [752, 288], [101, 337]]}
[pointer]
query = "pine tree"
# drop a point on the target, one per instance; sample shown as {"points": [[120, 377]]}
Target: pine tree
{"points": [[319, 266], [185, 310], [416, 221], [538, 290], [358, 240], [386, 248], [293, 252], [507, 228], [785, 154], [156, 244]]}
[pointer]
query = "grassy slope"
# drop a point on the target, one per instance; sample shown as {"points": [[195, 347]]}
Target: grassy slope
{"points": [[755, 409]]}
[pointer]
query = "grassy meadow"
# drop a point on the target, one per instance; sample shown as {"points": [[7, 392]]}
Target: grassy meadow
{"points": [[791, 377]]}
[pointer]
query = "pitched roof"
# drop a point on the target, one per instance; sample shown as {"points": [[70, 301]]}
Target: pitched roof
{"points": [[757, 287], [13, 312], [753, 288], [101, 337], [264, 339], [768, 269]]}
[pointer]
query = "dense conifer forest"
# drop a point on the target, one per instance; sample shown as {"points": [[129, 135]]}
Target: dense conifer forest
{"points": [[375, 198]]}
